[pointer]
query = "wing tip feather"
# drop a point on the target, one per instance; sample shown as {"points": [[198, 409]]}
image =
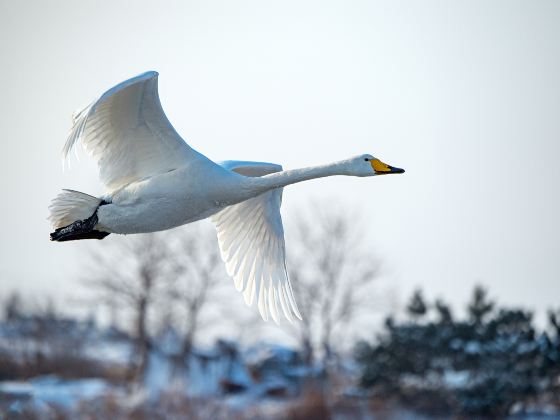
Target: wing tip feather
{"points": [[254, 260]]}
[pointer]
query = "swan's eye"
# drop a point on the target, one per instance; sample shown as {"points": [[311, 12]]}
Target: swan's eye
{"points": [[366, 159]]}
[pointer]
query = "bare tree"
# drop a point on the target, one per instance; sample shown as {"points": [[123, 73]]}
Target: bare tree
{"points": [[166, 278], [331, 274], [13, 306], [128, 272], [196, 272]]}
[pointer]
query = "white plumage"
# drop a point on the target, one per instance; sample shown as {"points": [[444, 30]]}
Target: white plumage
{"points": [[155, 181], [119, 130], [70, 205], [251, 238]]}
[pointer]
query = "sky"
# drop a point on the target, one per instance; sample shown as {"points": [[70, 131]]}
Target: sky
{"points": [[464, 95]]}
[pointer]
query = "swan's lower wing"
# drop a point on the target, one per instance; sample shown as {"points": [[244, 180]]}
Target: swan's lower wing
{"points": [[251, 239], [128, 134]]}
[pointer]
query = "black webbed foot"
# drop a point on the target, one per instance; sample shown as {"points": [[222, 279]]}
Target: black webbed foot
{"points": [[80, 229]]}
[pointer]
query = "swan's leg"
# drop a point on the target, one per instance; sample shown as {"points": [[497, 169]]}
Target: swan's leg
{"points": [[80, 229]]}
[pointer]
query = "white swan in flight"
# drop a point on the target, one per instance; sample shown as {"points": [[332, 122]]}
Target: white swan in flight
{"points": [[156, 181]]}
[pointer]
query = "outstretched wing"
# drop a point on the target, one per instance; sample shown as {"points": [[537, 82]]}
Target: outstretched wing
{"points": [[251, 239], [128, 134]]}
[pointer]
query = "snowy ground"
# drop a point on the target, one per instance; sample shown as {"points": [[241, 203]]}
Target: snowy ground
{"points": [[42, 393], [265, 381]]}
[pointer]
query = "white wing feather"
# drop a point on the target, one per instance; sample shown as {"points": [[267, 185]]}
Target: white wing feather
{"points": [[128, 134], [251, 239]]}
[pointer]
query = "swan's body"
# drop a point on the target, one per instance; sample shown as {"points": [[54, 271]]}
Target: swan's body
{"points": [[157, 182], [157, 203]]}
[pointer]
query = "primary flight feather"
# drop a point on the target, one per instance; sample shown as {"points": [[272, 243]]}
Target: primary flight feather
{"points": [[156, 181]]}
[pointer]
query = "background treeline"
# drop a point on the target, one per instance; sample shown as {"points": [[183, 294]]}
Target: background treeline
{"points": [[168, 305], [492, 362]]}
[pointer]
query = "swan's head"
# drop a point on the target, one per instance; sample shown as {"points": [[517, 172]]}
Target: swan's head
{"points": [[367, 165]]}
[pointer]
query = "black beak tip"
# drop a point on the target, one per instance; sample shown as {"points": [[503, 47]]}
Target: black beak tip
{"points": [[396, 170]]}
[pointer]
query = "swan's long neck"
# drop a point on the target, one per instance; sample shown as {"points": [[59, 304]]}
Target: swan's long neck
{"points": [[283, 178]]}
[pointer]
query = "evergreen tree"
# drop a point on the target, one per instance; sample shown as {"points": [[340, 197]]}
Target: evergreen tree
{"points": [[480, 305], [496, 351], [417, 307], [444, 312]]}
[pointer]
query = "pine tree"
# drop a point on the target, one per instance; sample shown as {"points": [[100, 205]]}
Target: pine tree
{"points": [[444, 312], [480, 305], [417, 307], [506, 361]]}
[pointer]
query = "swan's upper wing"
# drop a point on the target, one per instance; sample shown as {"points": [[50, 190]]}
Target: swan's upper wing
{"points": [[128, 134], [251, 239]]}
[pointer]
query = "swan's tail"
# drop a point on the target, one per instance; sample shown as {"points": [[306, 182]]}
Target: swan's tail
{"points": [[74, 215]]}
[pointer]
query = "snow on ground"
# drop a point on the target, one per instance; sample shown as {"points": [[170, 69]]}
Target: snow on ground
{"points": [[108, 351], [51, 390]]}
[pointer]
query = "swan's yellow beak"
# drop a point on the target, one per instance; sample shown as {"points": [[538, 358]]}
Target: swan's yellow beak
{"points": [[381, 168]]}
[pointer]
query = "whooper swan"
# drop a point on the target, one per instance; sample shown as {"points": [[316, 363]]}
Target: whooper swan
{"points": [[156, 181]]}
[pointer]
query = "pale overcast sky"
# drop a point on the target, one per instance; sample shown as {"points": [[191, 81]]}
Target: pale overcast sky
{"points": [[464, 95]]}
